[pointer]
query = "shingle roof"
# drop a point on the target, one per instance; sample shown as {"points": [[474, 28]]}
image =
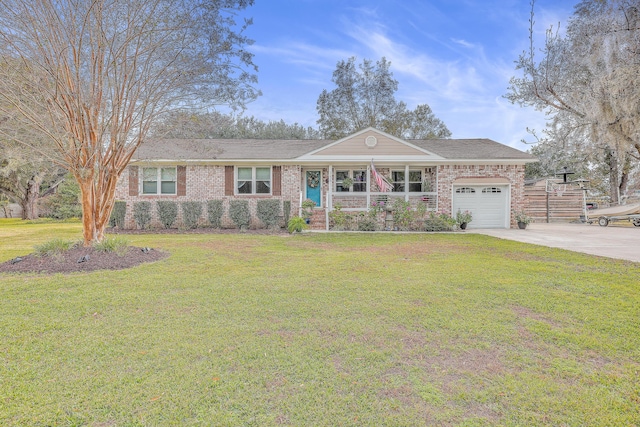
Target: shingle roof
{"points": [[470, 149], [226, 149], [281, 149]]}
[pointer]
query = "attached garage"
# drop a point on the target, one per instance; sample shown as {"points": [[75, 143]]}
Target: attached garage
{"points": [[487, 200]]}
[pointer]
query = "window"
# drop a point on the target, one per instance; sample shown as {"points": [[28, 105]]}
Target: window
{"points": [[465, 190], [159, 180], [351, 180], [491, 190], [399, 182], [360, 180], [415, 181], [254, 180]]}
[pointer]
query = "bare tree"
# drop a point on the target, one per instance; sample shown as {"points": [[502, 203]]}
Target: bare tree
{"points": [[104, 70], [590, 75]]}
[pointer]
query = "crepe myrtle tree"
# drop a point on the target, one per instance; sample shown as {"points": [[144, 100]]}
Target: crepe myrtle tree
{"points": [[105, 70]]}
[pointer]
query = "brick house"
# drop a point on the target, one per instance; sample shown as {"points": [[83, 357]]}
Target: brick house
{"points": [[479, 175]]}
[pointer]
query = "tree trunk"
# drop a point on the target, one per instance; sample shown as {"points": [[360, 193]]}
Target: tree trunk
{"points": [[29, 203], [614, 183], [97, 198], [624, 176]]}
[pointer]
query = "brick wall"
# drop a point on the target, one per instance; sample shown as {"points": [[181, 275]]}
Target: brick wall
{"points": [[449, 173], [204, 182]]}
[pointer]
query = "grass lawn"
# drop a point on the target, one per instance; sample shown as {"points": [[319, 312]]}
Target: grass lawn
{"points": [[321, 330]]}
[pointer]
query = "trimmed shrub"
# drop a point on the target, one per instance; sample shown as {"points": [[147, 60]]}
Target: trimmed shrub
{"points": [[366, 223], [168, 212], [118, 213], [239, 213], [191, 212], [142, 214], [215, 210], [286, 210], [340, 220], [439, 222], [268, 211]]}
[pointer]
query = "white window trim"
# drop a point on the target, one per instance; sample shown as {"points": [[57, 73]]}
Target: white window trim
{"points": [[253, 181], [351, 175], [158, 181], [406, 183]]}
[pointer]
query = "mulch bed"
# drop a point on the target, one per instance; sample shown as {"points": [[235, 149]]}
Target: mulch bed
{"points": [[68, 261], [90, 260]]}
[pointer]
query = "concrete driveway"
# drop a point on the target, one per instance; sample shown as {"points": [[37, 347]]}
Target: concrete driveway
{"points": [[613, 241]]}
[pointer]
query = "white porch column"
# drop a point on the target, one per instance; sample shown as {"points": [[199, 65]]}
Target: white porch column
{"points": [[406, 183], [368, 186], [329, 203]]}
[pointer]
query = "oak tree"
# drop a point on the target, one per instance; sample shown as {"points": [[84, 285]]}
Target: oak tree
{"points": [[590, 75]]}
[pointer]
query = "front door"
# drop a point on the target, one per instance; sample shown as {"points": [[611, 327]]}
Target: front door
{"points": [[313, 180]]}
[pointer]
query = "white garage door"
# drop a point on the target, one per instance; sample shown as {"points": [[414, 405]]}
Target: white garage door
{"points": [[487, 203]]}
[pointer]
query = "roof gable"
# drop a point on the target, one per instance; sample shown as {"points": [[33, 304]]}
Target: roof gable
{"points": [[370, 143]]}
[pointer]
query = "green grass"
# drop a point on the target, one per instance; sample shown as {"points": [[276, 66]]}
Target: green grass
{"points": [[321, 330]]}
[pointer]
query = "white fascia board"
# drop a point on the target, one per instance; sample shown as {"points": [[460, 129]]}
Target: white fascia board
{"points": [[324, 160], [380, 159], [369, 129], [488, 161], [213, 161]]}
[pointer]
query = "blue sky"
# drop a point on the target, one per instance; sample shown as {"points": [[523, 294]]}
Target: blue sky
{"points": [[456, 56]]}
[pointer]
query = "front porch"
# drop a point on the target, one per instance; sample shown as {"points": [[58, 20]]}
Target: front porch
{"points": [[355, 189]]}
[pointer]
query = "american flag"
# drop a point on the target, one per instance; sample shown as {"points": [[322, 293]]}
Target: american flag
{"points": [[383, 184]]}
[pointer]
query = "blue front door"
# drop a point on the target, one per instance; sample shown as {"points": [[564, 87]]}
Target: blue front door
{"points": [[313, 180]]}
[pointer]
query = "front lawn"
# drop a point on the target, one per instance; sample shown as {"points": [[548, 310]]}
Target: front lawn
{"points": [[321, 330]]}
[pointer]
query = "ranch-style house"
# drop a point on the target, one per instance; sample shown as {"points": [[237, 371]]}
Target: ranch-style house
{"points": [[447, 175]]}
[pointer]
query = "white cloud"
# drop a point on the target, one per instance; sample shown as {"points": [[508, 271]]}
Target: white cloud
{"points": [[463, 43], [304, 54], [465, 92]]}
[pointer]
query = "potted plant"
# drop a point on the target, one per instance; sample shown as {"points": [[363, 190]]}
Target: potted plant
{"points": [[522, 219], [463, 218], [346, 184], [307, 209], [296, 225]]}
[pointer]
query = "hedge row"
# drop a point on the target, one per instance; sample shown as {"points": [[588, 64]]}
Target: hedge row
{"points": [[269, 211]]}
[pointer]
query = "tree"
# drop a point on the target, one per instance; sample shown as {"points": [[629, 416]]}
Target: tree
{"points": [[565, 143], [23, 172], [105, 70], [590, 75], [365, 98], [22, 176], [194, 125]]}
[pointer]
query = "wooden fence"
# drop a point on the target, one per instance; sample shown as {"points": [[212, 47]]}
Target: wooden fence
{"points": [[561, 206]]}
